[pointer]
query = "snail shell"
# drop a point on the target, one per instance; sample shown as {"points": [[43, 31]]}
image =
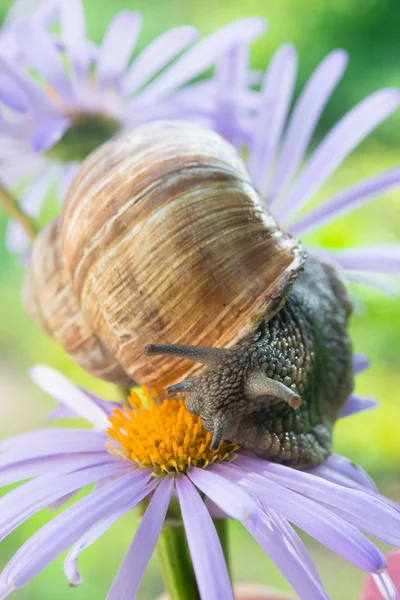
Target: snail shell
{"points": [[49, 299], [162, 238]]}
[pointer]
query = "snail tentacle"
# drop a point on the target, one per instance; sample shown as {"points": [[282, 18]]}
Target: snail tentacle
{"points": [[201, 354], [183, 386], [221, 424], [257, 384]]}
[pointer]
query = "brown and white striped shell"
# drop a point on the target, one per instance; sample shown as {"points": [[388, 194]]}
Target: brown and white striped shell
{"points": [[162, 239], [49, 299]]}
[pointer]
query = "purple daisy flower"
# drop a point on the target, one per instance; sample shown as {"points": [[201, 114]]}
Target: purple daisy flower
{"points": [[158, 451], [277, 140], [82, 94]]}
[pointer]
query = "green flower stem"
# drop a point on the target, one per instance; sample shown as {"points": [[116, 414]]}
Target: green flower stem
{"points": [[11, 206], [221, 525], [176, 566]]}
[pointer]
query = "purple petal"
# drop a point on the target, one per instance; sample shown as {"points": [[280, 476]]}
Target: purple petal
{"points": [[32, 467], [385, 585], [288, 532], [178, 107], [43, 12], [64, 180], [281, 551], [16, 240], [231, 83], [90, 537], [61, 412], [43, 56], [8, 44], [276, 96], [334, 148], [65, 412], [227, 495], [118, 44], [304, 119], [19, 164], [214, 510], [317, 521], [360, 363], [156, 55], [62, 390], [34, 196], [26, 500], [382, 259], [31, 202], [356, 404], [38, 99], [62, 531], [335, 477], [380, 282], [61, 501], [346, 201], [130, 573], [48, 132], [44, 442], [346, 467], [363, 510], [205, 548], [95, 532], [11, 94], [201, 57], [73, 28], [107, 406]]}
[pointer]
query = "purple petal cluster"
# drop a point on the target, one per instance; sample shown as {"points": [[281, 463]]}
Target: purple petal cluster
{"points": [[278, 139], [77, 83], [333, 502], [102, 84], [42, 12]]}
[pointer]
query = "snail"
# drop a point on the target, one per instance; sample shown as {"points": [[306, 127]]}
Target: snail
{"points": [[163, 244]]}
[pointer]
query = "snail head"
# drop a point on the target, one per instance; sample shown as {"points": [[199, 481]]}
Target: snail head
{"points": [[230, 388]]}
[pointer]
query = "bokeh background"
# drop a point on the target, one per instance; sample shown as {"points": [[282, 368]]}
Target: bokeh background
{"points": [[370, 31]]}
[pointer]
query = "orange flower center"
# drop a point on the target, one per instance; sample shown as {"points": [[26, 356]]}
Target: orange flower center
{"points": [[163, 436]]}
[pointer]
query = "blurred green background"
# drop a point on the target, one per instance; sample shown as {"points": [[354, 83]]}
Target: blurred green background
{"points": [[369, 30]]}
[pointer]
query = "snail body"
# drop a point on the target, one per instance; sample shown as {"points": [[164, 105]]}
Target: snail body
{"points": [[164, 239], [305, 349]]}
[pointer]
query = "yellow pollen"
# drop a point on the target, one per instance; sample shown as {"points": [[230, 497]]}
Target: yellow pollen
{"points": [[163, 436]]}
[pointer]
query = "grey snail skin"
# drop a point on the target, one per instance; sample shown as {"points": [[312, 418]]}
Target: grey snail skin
{"points": [[164, 244]]}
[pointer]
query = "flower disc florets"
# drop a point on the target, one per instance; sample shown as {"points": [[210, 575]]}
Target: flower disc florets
{"points": [[163, 435], [85, 134]]}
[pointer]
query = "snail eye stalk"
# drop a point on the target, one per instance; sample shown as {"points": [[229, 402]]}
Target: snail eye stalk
{"points": [[183, 386], [258, 384], [201, 354], [220, 426]]}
